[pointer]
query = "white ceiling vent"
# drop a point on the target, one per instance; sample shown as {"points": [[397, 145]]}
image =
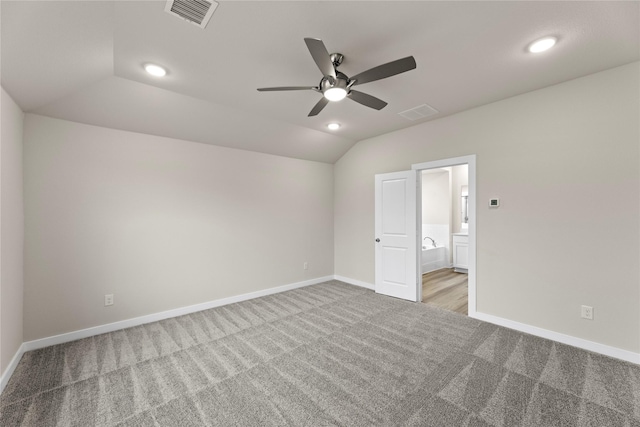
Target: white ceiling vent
{"points": [[419, 112], [197, 12]]}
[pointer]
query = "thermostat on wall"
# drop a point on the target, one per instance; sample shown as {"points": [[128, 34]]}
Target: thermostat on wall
{"points": [[494, 203]]}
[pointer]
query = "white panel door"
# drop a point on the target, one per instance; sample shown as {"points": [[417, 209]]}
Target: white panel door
{"points": [[396, 241]]}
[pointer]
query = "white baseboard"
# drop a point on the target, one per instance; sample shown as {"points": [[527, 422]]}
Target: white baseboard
{"points": [[84, 333], [4, 379], [355, 282], [110, 327], [595, 347]]}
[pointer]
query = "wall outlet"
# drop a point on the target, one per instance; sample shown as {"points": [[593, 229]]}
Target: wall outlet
{"points": [[305, 265], [587, 312], [108, 299]]}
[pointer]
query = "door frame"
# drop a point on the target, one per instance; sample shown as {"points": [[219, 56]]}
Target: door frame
{"points": [[469, 160]]}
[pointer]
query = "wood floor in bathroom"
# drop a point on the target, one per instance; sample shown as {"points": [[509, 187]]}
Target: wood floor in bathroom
{"points": [[446, 289]]}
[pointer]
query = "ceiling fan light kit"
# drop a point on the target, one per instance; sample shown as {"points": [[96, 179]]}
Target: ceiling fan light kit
{"points": [[336, 86], [335, 94]]}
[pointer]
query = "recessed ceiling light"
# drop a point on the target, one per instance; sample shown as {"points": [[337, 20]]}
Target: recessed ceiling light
{"points": [[155, 70], [542, 44], [333, 126]]}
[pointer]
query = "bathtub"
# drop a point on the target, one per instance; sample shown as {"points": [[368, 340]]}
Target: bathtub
{"points": [[433, 258]]}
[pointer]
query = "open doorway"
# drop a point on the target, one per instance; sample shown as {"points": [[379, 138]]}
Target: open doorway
{"points": [[446, 229], [445, 226]]}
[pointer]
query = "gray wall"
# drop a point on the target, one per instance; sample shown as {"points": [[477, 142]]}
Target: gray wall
{"points": [[11, 230], [160, 223], [565, 162], [163, 223]]}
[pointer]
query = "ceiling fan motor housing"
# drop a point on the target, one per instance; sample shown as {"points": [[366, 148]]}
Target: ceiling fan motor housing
{"points": [[328, 82]]}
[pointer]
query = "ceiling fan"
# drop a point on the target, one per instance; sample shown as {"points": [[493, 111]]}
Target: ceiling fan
{"points": [[335, 85]]}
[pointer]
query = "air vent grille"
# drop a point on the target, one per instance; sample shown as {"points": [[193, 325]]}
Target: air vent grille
{"points": [[197, 12], [419, 112]]}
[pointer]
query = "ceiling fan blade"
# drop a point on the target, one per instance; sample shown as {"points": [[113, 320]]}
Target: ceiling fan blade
{"points": [[367, 100], [270, 89], [318, 107], [385, 70], [321, 56]]}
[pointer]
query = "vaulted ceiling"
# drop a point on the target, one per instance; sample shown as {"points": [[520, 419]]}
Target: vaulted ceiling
{"points": [[83, 61]]}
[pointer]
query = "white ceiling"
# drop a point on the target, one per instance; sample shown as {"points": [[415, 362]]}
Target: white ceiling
{"points": [[82, 61]]}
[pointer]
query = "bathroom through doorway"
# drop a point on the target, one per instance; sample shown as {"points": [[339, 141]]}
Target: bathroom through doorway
{"points": [[446, 218]]}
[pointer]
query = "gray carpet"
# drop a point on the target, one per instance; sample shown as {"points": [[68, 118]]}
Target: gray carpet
{"points": [[323, 355]]}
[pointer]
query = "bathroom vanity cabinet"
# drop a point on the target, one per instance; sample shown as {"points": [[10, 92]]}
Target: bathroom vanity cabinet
{"points": [[460, 252]]}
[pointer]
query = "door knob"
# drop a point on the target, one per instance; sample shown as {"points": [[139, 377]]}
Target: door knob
{"points": [[378, 240]]}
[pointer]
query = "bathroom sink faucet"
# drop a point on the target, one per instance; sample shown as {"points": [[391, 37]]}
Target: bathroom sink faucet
{"points": [[432, 241]]}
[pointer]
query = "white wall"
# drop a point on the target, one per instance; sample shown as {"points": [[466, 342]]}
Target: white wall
{"points": [[11, 230], [161, 223], [565, 162], [436, 198]]}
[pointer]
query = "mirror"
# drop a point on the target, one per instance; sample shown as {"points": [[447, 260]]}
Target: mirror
{"points": [[464, 204]]}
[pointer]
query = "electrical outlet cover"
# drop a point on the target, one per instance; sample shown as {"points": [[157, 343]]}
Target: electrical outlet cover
{"points": [[587, 312], [108, 300]]}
